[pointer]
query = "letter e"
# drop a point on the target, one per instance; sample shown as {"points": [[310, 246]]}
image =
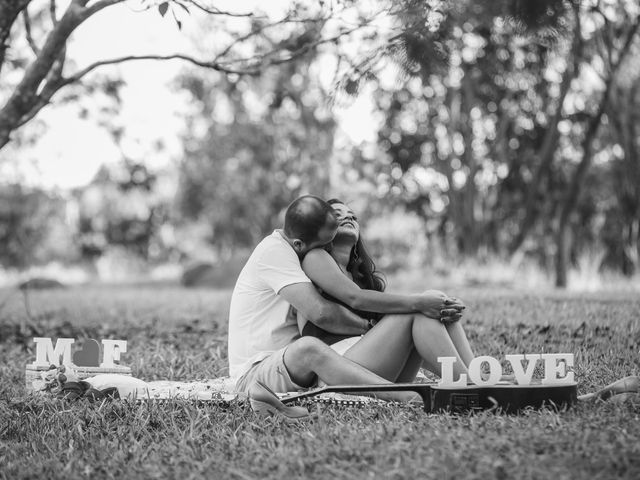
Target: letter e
{"points": [[555, 368], [111, 352]]}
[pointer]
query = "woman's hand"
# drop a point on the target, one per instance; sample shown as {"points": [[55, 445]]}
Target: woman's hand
{"points": [[452, 312], [431, 302], [438, 305], [453, 302]]}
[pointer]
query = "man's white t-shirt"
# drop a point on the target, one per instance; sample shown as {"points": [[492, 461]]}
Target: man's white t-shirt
{"points": [[259, 323]]}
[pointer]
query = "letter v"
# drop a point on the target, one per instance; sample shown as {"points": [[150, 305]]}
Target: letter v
{"points": [[523, 377]]}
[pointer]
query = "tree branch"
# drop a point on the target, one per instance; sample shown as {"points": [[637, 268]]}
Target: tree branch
{"points": [[43, 77], [25, 95], [249, 35], [27, 32], [200, 63], [215, 10], [53, 83], [96, 7], [262, 61], [52, 11]]}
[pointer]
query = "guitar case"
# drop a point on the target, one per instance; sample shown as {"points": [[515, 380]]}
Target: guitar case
{"points": [[505, 398]]}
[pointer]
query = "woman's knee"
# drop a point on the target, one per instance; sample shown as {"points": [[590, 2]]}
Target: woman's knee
{"points": [[431, 291], [398, 320], [428, 323]]}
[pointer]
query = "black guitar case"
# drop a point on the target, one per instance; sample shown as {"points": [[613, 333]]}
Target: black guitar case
{"points": [[505, 398]]}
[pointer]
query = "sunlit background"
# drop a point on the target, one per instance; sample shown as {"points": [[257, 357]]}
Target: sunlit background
{"points": [[456, 131]]}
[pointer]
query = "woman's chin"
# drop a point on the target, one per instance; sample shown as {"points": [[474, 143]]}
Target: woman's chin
{"points": [[346, 233]]}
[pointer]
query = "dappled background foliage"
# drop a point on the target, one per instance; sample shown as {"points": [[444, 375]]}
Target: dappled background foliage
{"points": [[504, 130]]}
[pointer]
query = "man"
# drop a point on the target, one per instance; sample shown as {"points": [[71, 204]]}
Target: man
{"points": [[264, 342]]}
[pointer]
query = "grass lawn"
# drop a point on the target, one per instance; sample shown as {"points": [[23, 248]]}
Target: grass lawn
{"points": [[181, 334]]}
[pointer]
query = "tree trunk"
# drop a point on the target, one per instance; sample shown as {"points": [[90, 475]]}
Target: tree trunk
{"points": [[547, 151], [571, 199], [562, 255], [624, 119], [473, 228]]}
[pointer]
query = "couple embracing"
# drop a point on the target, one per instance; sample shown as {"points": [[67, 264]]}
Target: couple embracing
{"points": [[309, 307]]}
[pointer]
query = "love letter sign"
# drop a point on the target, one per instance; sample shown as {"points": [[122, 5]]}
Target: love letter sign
{"points": [[88, 356], [556, 369]]}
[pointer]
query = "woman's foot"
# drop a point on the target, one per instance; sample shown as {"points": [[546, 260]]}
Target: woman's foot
{"points": [[265, 402]]}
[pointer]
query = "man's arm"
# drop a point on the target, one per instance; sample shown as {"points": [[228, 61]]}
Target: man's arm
{"points": [[330, 316], [325, 273]]}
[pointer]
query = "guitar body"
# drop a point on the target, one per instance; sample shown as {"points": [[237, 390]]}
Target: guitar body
{"points": [[506, 398]]}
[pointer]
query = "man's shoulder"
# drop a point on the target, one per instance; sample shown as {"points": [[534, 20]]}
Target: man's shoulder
{"points": [[273, 244]]}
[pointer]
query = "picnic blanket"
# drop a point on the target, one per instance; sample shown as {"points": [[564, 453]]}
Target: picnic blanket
{"points": [[63, 382]]}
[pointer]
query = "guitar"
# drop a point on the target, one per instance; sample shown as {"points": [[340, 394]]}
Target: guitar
{"points": [[507, 398]]}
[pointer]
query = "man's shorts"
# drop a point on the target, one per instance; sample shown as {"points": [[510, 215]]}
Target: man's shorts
{"points": [[272, 372]]}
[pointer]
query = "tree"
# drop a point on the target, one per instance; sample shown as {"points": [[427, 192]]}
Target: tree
{"points": [[464, 132], [623, 230], [27, 217], [45, 72], [273, 144], [499, 116], [612, 42], [120, 207]]}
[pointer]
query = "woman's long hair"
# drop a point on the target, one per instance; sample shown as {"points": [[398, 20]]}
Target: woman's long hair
{"points": [[361, 266]]}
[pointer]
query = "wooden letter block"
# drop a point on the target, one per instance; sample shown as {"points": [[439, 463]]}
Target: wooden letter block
{"points": [[446, 379], [112, 350], [475, 372], [523, 377], [47, 355], [555, 368]]}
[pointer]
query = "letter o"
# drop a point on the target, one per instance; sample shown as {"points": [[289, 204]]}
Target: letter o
{"points": [[475, 372]]}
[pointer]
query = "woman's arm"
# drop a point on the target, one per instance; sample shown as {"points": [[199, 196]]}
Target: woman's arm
{"points": [[323, 271], [346, 324]]}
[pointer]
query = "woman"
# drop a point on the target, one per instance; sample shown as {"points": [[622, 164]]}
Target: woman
{"points": [[396, 345]]}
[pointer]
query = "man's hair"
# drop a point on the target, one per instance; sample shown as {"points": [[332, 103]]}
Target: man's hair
{"points": [[305, 217]]}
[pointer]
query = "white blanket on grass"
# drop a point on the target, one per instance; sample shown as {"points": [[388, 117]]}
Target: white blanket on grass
{"points": [[218, 389]]}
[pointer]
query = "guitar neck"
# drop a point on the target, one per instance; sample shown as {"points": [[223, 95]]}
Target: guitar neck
{"points": [[421, 389]]}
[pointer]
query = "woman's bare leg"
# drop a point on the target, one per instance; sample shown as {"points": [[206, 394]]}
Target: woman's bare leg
{"points": [[411, 368], [309, 357], [387, 348], [432, 340], [459, 339], [461, 342]]}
